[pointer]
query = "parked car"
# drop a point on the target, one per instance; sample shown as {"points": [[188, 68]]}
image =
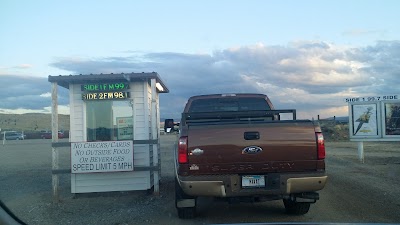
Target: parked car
{"points": [[48, 135], [13, 135]]}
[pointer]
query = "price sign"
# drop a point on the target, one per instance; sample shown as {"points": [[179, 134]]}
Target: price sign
{"points": [[372, 98], [105, 95], [104, 87]]}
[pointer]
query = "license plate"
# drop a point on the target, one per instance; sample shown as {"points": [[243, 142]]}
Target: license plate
{"points": [[253, 181]]}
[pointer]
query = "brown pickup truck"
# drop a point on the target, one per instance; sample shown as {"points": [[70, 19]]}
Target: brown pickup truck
{"points": [[236, 147]]}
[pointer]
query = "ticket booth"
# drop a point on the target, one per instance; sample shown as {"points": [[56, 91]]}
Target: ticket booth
{"points": [[114, 130]]}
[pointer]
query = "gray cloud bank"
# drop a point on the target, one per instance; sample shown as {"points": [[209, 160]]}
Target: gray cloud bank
{"points": [[312, 77], [24, 92]]}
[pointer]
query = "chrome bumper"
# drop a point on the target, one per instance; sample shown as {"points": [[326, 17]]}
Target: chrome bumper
{"points": [[305, 184], [230, 185]]}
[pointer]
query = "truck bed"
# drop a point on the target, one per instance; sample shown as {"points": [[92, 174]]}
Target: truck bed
{"points": [[278, 146]]}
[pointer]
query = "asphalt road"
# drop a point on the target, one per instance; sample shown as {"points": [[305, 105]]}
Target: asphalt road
{"points": [[355, 192]]}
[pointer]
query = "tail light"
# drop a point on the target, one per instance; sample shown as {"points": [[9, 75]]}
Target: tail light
{"points": [[320, 145], [183, 150]]}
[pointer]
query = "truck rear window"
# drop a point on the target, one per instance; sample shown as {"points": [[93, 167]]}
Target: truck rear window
{"points": [[228, 104]]}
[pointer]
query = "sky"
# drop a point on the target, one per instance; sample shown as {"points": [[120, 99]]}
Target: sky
{"points": [[305, 55]]}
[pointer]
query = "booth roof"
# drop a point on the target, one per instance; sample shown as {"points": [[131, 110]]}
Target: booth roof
{"points": [[65, 80]]}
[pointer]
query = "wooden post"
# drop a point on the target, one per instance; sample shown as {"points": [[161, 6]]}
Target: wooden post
{"points": [[361, 151], [54, 134], [154, 135]]}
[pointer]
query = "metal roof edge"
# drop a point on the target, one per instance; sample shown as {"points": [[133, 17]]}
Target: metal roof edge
{"points": [[65, 80]]}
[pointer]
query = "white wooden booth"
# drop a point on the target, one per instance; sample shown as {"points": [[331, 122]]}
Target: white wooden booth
{"points": [[107, 111]]}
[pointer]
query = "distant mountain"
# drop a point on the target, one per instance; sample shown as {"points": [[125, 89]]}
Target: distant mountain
{"points": [[341, 119], [36, 122], [31, 122]]}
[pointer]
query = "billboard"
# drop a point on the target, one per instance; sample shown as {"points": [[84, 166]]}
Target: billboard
{"points": [[392, 118], [374, 118], [365, 122]]}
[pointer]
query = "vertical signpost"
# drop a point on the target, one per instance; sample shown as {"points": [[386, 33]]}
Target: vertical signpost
{"points": [[375, 118], [154, 135], [54, 151]]}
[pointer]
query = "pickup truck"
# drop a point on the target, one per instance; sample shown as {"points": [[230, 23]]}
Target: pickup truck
{"points": [[236, 147]]}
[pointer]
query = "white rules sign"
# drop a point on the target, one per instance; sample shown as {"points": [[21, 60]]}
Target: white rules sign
{"points": [[100, 157]]}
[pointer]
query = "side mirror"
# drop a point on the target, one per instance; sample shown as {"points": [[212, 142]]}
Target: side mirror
{"points": [[168, 125]]}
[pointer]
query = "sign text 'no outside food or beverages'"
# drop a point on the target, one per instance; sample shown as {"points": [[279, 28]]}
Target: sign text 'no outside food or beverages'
{"points": [[100, 157]]}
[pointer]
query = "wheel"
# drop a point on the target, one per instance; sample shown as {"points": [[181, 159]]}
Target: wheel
{"points": [[296, 208], [187, 212], [17, 139]]}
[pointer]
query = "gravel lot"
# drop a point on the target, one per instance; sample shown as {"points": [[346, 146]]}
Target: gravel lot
{"points": [[355, 192]]}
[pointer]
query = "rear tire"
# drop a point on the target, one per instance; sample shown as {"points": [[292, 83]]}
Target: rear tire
{"points": [[187, 212], [296, 208]]}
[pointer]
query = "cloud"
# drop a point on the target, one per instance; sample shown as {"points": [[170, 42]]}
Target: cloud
{"points": [[62, 109], [24, 66], [45, 95], [318, 67], [16, 69], [310, 76], [29, 93], [382, 66]]}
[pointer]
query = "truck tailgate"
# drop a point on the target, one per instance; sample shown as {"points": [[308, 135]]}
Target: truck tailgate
{"points": [[280, 147]]}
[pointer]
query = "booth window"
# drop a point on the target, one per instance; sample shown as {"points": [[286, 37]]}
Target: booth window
{"points": [[109, 120]]}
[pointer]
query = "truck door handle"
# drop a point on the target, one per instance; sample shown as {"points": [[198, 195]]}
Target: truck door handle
{"points": [[251, 135]]}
